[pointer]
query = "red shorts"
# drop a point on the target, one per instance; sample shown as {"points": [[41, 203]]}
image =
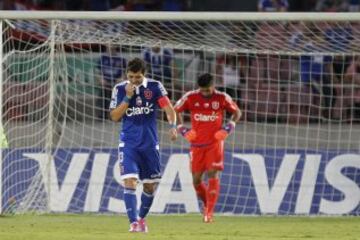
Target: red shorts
{"points": [[207, 158]]}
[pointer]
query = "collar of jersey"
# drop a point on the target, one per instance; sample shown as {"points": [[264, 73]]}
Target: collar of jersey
{"points": [[144, 83]]}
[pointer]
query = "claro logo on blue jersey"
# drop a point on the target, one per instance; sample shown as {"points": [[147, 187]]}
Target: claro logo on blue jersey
{"points": [[134, 111]]}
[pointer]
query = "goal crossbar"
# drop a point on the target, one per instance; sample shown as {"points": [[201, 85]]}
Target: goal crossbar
{"points": [[182, 16]]}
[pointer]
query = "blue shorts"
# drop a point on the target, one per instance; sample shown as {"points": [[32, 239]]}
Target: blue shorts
{"points": [[143, 164]]}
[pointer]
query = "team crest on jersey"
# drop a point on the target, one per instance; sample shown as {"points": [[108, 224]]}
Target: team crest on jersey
{"points": [[138, 101], [215, 105], [148, 94]]}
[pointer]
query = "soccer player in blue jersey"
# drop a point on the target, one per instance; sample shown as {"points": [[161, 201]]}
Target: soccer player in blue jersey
{"points": [[135, 102]]}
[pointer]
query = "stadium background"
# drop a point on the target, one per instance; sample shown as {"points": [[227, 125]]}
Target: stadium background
{"points": [[261, 127]]}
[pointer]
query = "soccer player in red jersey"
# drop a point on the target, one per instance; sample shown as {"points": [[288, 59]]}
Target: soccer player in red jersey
{"points": [[206, 136]]}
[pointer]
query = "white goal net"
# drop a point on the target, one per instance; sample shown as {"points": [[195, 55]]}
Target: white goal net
{"points": [[295, 77]]}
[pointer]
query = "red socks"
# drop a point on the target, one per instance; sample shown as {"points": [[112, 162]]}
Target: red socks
{"points": [[209, 195], [201, 191], [212, 194]]}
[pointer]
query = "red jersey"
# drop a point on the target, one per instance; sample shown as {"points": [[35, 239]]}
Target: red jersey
{"points": [[206, 113]]}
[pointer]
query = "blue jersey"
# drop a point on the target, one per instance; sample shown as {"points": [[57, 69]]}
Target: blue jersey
{"points": [[139, 129], [159, 64], [111, 68]]}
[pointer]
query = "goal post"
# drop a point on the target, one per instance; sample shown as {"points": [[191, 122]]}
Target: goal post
{"points": [[294, 75], [1, 127]]}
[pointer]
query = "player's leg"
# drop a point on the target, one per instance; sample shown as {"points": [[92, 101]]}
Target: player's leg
{"points": [[131, 202], [129, 175], [200, 186], [150, 175], [212, 194], [197, 166], [215, 163], [147, 198]]}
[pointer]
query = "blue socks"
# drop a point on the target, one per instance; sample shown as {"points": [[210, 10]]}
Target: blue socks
{"points": [[130, 204], [146, 202]]}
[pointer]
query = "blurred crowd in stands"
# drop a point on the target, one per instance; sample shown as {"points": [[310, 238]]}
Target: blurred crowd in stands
{"points": [[96, 5], [303, 88], [183, 5]]}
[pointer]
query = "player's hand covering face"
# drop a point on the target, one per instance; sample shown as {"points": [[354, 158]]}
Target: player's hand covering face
{"points": [[135, 78], [130, 89]]}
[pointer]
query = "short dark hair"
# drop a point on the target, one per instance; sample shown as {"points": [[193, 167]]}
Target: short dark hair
{"points": [[136, 65], [205, 80]]}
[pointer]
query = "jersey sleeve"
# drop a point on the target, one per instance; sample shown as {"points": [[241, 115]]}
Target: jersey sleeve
{"points": [[117, 94], [230, 105], [182, 104], [161, 96]]}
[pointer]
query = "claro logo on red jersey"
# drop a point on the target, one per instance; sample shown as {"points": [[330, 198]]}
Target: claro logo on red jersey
{"points": [[205, 118]]}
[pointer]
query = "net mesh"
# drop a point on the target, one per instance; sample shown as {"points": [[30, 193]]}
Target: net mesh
{"points": [[297, 83]]}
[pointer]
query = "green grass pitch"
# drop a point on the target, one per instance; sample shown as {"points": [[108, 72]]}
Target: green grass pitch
{"points": [[172, 227]]}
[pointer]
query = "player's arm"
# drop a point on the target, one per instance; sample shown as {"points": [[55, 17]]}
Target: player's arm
{"points": [[187, 133], [180, 106], [171, 117], [179, 118], [235, 117], [166, 105], [117, 112], [229, 127]]}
